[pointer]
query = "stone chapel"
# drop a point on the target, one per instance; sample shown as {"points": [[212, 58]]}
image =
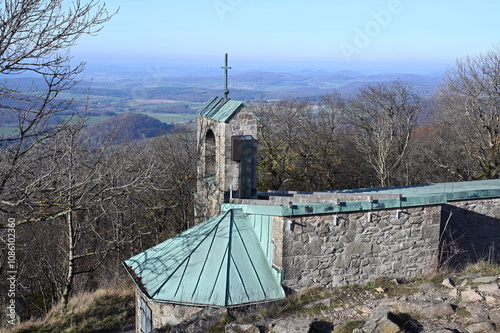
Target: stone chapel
{"points": [[248, 247]]}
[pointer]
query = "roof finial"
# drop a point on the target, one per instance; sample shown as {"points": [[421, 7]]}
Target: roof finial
{"points": [[226, 92]]}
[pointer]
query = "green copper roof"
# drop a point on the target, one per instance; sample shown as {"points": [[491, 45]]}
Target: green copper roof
{"points": [[469, 189], [220, 109], [352, 200], [216, 263]]}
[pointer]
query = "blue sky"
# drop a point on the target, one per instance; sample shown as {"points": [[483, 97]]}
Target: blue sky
{"points": [[410, 35]]}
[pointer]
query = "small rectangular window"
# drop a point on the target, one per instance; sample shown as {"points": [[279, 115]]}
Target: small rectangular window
{"points": [[146, 318]]}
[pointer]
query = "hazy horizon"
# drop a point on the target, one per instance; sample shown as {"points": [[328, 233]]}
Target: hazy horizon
{"points": [[213, 66], [361, 35]]}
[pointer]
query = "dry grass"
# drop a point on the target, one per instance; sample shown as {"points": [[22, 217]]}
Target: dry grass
{"points": [[112, 308], [104, 309], [296, 303], [483, 267], [348, 327]]}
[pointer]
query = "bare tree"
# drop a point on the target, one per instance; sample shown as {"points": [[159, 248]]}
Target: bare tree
{"points": [[322, 143], [470, 108], [437, 155], [35, 38], [171, 201], [88, 207], [281, 134], [86, 191], [298, 144], [382, 117]]}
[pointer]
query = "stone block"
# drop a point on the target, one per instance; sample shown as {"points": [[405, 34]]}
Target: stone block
{"points": [[325, 274], [426, 287], [471, 296], [438, 310], [237, 328], [401, 234], [314, 249], [415, 219], [407, 245], [448, 283], [387, 326], [395, 248], [482, 327], [384, 269], [485, 279], [291, 325], [341, 262], [327, 250], [490, 288], [371, 230], [430, 232], [491, 300], [349, 236], [376, 248], [355, 263], [312, 263], [358, 248], [495, 316], [383, 254]]}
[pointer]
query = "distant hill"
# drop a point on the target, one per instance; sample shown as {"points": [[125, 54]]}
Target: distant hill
{"points": [[127, 127], [256, 85]]}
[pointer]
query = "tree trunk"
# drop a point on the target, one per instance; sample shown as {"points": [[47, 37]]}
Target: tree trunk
{"points": [[68, 282]]}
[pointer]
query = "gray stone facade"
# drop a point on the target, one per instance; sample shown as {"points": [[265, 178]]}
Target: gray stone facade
{"points": [[335, 250], [212, 192], [339, 249], [162, 313]]}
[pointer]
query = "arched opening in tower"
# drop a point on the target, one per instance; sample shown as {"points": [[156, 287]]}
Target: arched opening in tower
{"points": [[210, 154]]}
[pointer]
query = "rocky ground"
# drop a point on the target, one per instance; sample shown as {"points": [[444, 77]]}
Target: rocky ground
{"points": [[468, 303]]}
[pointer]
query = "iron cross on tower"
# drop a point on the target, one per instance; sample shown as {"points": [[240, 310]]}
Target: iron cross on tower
{"points": [[226, 92]]}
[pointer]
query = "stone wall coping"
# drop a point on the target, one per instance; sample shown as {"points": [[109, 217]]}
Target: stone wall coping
{"points": [[281, 206]]}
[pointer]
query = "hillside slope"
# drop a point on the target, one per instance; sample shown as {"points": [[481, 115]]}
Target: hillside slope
{"points": [[127, 127], [456, 302], [108, 310]]}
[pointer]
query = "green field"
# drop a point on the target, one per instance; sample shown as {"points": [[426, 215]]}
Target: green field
{"points": [[168, 118], [171, 118], [103, 100], [156, 103], [7, 130]]}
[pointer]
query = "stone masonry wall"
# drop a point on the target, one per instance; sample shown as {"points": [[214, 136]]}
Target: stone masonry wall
{"points": [[471, 232], [162, 313], [243, 123], [355, 248], [210, 196], [277, 233]]}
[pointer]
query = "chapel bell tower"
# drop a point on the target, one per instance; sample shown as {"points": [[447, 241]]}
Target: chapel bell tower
{"points": [[227, 146]]}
